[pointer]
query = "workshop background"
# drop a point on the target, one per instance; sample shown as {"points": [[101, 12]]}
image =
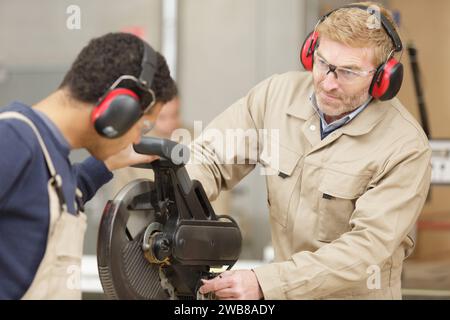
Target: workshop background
{"points": [[217, 50]]}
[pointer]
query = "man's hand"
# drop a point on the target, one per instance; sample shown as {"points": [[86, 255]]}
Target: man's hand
{"points": [[231, 285], [127, 157]]}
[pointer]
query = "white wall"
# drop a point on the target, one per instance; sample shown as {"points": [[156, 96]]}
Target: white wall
{"points": [[33, 34]]}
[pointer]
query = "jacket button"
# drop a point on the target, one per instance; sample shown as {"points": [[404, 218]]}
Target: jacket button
{"points": [[312, 128]]}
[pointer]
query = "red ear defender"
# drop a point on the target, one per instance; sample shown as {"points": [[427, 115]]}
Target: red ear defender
{"points": [[116, 112], [127, 99], [307, 53], [387, 80]]}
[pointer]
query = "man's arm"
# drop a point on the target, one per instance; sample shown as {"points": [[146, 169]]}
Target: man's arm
{"points": [[381, 221], [229, 147], [382, 218], [92, 174]]}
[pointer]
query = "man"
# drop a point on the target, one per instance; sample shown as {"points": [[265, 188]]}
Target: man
{"points": [[115, 77], [352, 174]]}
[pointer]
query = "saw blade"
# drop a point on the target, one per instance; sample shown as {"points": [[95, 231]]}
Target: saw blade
{"points": [[124, 271]]}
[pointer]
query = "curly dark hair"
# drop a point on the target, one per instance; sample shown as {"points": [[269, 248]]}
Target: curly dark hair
{"points": [[108, 57]]}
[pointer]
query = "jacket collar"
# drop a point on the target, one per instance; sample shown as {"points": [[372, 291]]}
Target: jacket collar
{"points": [[302, 108]]}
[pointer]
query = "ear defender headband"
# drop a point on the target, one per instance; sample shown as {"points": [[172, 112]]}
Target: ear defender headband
{"points": [[126, 100], [389, 76]]}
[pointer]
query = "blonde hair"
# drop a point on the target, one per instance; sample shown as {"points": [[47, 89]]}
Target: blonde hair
{"points": [[357, 28]]}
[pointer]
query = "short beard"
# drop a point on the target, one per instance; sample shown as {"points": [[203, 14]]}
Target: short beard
{"points": [[346, 104]]}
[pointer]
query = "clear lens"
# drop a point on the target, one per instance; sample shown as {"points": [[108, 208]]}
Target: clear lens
{"points": [[343, 75]]}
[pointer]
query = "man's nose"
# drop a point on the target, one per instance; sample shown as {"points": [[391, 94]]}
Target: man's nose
{"points": [[330, 82]]}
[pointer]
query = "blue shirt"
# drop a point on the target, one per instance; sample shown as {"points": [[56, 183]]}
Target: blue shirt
{"points": [[54, 129], [327, 128], [24, 203]]}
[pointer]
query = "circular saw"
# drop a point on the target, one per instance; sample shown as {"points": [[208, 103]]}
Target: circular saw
{"points": [[158, 239]]}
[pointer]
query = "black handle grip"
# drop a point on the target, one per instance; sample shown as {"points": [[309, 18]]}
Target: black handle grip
{"points": [[176, 153]]}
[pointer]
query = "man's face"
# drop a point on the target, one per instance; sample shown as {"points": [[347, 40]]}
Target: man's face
{"points": [[337, 96]]}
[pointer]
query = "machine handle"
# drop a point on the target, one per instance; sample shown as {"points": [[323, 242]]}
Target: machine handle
{"points": [[175, 153]]}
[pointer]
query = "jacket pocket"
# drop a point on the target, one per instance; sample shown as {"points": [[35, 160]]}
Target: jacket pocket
{"points": [[338, 193], [281, 178]]}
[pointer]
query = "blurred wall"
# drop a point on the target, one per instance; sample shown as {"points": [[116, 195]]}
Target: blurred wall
{"points": [[227, 47], [37, 48], [34, 33]]}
